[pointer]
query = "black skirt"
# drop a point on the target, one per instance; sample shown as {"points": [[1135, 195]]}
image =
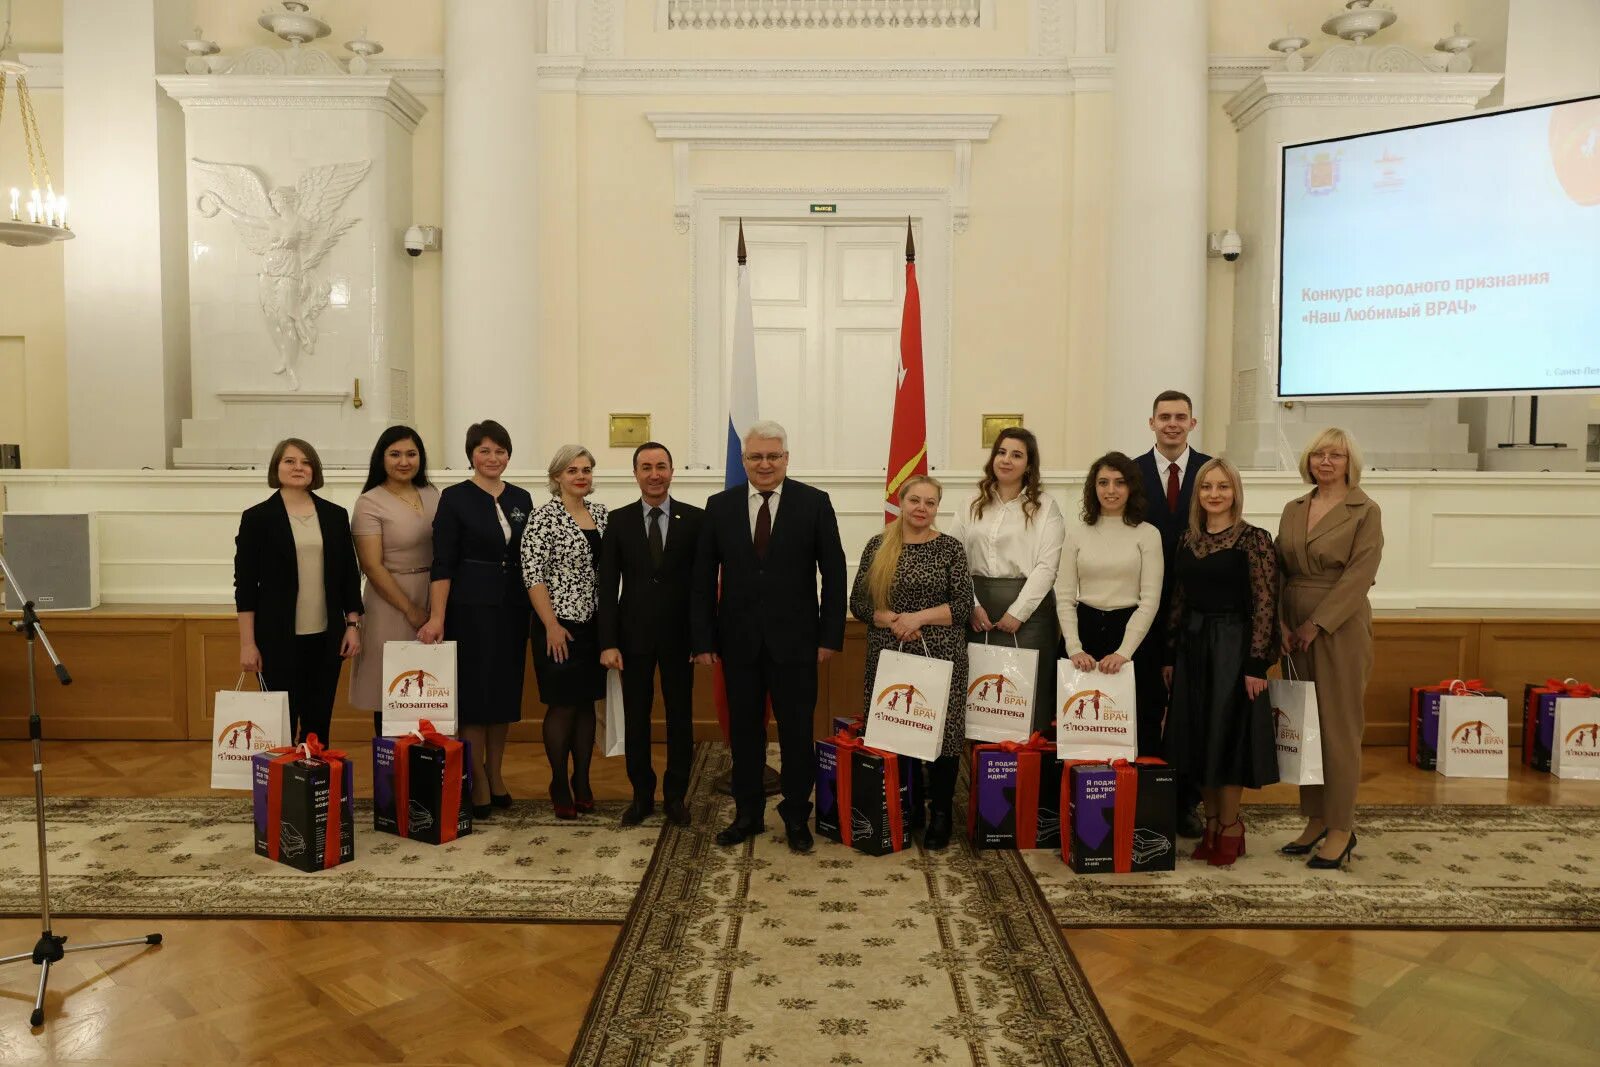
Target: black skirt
{"points": [[1216, 736], [491, 642], [580, 679]]}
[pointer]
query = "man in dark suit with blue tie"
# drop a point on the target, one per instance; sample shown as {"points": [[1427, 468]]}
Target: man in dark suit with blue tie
{"points": [[1167, 472], [767, 541], [649, 547]]}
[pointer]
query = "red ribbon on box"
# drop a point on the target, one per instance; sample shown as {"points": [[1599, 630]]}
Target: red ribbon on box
{"points": [[1030, 754], [311, 749], [1123, 813], [449, 798], [844, 741]]}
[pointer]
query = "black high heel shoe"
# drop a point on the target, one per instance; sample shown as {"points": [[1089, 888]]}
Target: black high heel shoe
{"points": [[1294, 848], [500, 800], [1320, 864]]}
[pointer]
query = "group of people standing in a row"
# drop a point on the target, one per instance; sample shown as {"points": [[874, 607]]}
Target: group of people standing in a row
{"points": [[1162, 577]]}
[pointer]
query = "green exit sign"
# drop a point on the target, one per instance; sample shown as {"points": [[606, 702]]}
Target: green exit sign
{"points": [[824, 209]]}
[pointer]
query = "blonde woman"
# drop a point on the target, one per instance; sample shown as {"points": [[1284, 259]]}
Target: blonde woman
{"points": [[1222, 634], [560, 567], [1330, 543], [913, 588]]}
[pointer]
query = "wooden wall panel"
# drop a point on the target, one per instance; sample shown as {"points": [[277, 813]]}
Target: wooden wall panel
{"points": [[149, 676], [1408, 652], [128, 680]]}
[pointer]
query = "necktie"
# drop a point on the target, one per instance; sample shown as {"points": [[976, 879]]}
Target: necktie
{"points": [[764, 524], [656, 546], [1172, 488]]}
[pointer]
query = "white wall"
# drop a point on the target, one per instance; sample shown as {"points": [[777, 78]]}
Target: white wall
{"points": [[1463, 541]]}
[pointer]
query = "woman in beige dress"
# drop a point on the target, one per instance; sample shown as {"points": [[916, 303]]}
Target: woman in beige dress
{"points": [[1330, 542], [393, 530]]}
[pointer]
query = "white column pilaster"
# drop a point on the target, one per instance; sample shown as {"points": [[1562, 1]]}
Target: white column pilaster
{"points": [[491, 232], [1156, 279], [125, 274]]}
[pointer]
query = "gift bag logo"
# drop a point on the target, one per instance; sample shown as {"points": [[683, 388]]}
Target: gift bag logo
{"points": [[1582, 741], [905, 705], [1283, 729], [996, 695], [419, 690], [1476, 738], [1094, 706], [237, 740]]}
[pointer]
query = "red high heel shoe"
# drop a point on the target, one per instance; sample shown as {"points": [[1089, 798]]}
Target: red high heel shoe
{"points": [[1225, 849], [1208, 840], [563, 811], [582, 805]]}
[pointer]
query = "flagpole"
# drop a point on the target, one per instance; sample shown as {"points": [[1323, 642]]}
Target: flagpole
{"points": [[908, 437]]}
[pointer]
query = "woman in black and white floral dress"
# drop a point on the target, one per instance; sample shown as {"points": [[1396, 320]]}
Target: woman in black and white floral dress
{"points": [[913, 588], [560, 553]]}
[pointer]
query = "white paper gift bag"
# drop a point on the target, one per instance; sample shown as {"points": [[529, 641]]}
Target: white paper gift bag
{"points": [[244, 722], [611, 727], [1097, 718], [419, 682], [910, 702], [1296, 728], [1000, 684], [1575, 744], [1472, 736]]}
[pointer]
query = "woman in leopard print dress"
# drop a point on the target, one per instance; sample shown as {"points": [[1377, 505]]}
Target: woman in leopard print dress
{"points": [[913, 589]]}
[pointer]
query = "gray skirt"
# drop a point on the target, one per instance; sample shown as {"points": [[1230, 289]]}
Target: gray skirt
{"points": [[1041, 632]]}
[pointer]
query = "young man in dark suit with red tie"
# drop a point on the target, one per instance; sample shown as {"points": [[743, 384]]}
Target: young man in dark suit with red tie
{"points": [[649, 547], [767, 541], [1167, 472]]}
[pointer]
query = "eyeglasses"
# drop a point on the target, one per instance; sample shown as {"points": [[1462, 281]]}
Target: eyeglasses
{"points": [[769, 457], [1328, 457]]}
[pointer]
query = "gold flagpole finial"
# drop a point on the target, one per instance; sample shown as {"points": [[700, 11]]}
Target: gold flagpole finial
{"points": [[742, 256], [911, 248]]}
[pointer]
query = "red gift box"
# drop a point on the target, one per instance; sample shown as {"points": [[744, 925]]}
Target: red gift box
{"points": [[449, 797], [1157, 819], [338, 834], [1538, 717], [1422, 738]]}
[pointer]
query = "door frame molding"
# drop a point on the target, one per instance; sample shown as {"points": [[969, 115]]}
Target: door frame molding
{"points": [[709, 356]]}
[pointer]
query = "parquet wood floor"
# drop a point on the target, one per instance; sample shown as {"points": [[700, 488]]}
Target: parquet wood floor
{"points": [[224, 991]]}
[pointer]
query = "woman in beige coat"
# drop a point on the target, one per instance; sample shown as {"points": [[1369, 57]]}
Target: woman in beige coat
{"points": [[1330, 542]]}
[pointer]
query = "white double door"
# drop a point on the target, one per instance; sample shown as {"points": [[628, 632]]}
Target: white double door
{"points": [[826, 302]]}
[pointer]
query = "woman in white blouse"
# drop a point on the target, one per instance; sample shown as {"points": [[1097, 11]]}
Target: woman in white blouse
{"points": [[1110, 583], [1012, 531], [560, 553]]}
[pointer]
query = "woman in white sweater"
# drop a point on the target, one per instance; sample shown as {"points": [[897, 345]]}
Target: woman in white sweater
{"points": [[1109, 586]]}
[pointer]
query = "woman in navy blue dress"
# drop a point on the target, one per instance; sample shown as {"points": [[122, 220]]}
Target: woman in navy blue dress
{"points": [[479, 602]]}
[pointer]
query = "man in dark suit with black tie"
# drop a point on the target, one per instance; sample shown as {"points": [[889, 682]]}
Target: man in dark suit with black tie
{"points": [[649, 547], [1168, 471], [768, 540]]}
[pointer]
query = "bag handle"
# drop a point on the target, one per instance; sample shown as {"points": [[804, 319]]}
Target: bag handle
{"points": [[925, 652], [1014, 642], [261, 681], [1288, 669]]}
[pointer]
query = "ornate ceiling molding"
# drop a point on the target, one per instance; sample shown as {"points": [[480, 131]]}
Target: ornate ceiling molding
{"points": [[687, 131], [1320, 89]]}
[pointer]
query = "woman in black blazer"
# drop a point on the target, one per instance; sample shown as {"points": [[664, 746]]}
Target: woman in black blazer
{"points": [[478, 602], [297, 589]]}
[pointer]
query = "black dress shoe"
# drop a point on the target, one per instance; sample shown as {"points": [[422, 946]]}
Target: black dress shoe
{"points": [[1316, 862], [937, 835], [500, 800], [636, 813], [737, 831], [799, 835], [481, 812], [1190, 824], [677, 812]]}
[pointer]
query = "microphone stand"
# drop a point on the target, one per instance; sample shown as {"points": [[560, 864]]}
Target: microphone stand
{"points": [[50, 946]]}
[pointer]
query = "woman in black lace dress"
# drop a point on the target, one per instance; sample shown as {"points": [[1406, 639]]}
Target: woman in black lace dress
{"points": [[1222, 636], [913, 587]]}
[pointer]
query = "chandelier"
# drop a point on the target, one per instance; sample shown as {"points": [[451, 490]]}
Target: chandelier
{"points": [[42, 217]]}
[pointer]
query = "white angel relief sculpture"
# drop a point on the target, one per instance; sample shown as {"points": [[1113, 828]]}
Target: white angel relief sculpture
{"points": [[292, 228]]}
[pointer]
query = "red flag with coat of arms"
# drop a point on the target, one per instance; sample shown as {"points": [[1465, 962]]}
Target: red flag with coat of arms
{"points": [[908, 438]]}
